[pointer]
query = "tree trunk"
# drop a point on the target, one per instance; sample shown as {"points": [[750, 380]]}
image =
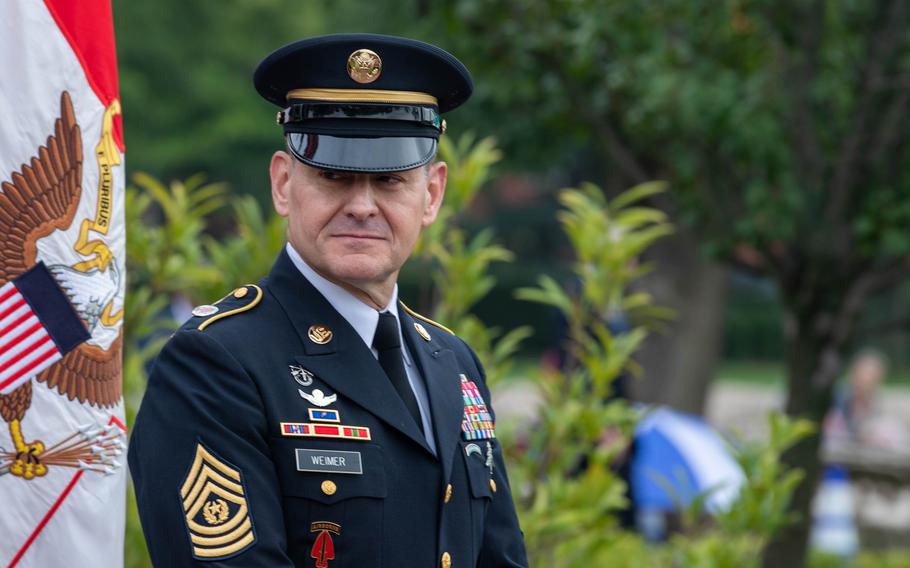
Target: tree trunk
{"points": [[680, 363], [813, 363]]}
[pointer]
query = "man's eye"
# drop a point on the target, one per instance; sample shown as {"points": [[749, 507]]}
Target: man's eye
{"points": [[332, 175], [389, 180]]}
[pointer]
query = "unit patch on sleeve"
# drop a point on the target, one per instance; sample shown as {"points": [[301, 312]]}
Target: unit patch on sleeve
{"points": [[477, 423], [215, 508]]}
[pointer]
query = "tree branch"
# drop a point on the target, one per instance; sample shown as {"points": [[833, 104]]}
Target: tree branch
{"points": [[800, 77], [879, 47]]}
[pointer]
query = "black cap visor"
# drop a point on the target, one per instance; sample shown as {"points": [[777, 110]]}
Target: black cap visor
{"points": [[377, 154]]}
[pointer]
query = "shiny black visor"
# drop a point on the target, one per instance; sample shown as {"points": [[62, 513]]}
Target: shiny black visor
{"points": [[362, 137]]}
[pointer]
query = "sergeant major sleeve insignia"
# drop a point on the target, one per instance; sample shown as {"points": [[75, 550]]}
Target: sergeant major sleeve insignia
{"points": [[215, 508], [240, 300]]}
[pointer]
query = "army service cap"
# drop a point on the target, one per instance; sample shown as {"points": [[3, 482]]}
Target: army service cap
{"points": [[363, 102]]}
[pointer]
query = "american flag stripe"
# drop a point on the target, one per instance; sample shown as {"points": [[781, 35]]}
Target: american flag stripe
{"points": [[37, 361], [15, 320], [13, 307], [26, 345], [23, 348], [7, 291]]}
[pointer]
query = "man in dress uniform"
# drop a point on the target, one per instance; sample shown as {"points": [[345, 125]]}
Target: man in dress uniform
{"points": [[313, 419]]}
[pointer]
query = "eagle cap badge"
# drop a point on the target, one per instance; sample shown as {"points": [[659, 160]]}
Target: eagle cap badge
{"points": [[364, 66]]}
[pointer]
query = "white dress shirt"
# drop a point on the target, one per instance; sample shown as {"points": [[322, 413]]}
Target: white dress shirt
{"points": [[364, 320]]}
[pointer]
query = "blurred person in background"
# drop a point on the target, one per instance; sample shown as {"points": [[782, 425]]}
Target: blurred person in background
{"points": [[856, 416]]}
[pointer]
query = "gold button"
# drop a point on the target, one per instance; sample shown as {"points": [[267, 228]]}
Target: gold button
{"points": [[493, 485], [446, 560], [239, 293], [329, 487], [448, 493]]}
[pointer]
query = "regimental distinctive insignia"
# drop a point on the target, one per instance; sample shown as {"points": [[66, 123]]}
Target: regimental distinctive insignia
{"points": [[422, 331], [319, 334], [364, 66], [324, 547], [215, 508], [318, 398], [305, 430], [204, 310], [303, 377], [477, 423], [324, 415]]}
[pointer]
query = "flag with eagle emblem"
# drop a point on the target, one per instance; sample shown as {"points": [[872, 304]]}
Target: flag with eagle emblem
{"points": [[62, 274]]}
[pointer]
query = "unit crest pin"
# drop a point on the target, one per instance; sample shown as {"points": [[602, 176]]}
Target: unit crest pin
{"points": [[319, 334]]}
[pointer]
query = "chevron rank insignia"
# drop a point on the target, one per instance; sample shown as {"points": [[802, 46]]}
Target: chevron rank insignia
{"points": [[477, 423], [215, 508]]}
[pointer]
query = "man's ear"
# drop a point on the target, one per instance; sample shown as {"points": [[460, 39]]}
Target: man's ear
{"points": [[280, 174], [436, 190]]}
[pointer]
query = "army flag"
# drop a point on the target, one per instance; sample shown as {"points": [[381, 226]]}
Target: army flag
{"points": [[62, 274]]}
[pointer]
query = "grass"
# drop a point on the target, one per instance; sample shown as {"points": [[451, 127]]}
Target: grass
{"points": [[772, 373]]}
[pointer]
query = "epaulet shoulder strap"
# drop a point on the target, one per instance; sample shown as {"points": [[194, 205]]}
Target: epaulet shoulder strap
{"points": [[241, 299], [426, 319]]}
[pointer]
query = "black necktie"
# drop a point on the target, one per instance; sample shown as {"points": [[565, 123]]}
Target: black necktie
{"points": [[387, 342]]}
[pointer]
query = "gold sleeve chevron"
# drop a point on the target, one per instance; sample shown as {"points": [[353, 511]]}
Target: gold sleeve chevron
{"points": [[215, 508]]}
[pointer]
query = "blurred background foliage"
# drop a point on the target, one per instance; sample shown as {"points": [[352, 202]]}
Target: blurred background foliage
{"points": [[777, 125]]}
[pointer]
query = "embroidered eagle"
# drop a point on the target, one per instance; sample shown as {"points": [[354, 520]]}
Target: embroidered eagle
{"points": [[41, 198]]}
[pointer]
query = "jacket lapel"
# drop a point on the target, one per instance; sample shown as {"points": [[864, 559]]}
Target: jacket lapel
{"points": [[439, 370], [344, 362]]}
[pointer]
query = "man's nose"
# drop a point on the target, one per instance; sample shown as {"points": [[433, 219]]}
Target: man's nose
{"points": [[361, 199]]}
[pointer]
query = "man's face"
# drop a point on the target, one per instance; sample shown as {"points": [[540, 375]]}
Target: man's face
{"points": [[356, 229]]}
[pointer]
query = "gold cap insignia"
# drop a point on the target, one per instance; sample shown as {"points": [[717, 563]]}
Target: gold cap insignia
{"points": [[364, 66], [215, 507], [319, 334], [422, 331]]}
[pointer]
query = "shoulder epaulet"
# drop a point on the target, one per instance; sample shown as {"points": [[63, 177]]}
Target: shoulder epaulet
{"points": [[426, 319], [242, 299]]}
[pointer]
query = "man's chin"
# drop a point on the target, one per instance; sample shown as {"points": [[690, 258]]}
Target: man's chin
{"points": [[358, 270]]}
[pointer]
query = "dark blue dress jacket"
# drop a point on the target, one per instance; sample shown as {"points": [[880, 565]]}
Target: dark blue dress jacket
{"points": [[234, 466]]}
